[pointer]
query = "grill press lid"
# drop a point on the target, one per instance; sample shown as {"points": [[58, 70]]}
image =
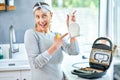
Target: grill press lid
{"points": [[101, 54]]}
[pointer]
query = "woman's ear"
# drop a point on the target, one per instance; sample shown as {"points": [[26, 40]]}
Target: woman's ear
{"points": [[51, 14]]}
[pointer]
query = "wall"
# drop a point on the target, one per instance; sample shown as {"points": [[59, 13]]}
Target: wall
{"points": [[22, 19]]}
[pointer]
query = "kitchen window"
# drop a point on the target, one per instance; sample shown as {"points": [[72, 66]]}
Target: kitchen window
{"points": [[116, 19], [111, 24], [87, 16]]}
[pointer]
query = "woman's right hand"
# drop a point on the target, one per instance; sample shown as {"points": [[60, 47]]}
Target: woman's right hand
{"points": [[58, 42]]}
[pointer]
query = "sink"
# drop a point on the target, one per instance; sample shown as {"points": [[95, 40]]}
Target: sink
{"points": [[22, 54], [13, 64]]}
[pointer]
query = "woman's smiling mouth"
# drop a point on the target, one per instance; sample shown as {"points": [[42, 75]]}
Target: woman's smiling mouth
{"points": [[43, 25]]}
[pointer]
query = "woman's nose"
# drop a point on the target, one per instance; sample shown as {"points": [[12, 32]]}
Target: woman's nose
{"points": [[41, 20]]}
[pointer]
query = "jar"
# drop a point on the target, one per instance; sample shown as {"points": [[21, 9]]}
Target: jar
{"points": [[11, 3], [2, 1]]}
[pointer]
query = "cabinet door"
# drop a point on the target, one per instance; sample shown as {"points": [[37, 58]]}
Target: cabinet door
{"points": [[26, 75], [14, 75]]}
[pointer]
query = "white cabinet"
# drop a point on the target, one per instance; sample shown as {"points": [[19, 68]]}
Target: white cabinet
{"points": [[25, 75], [10, 75], [15, 75]]}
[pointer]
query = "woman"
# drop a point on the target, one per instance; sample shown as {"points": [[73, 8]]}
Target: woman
{"points": [[44, 49]]}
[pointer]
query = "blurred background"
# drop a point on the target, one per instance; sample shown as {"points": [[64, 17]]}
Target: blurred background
{"points": [[97, 18]]}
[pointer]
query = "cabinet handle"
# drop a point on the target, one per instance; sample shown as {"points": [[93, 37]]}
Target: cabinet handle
{"points": [[24, 79]]}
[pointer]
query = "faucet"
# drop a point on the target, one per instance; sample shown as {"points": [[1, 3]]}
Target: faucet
{"points": [[12, 37]]}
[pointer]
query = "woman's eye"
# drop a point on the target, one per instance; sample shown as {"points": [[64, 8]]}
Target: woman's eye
{"points": [[37, 16], [44, 16]]}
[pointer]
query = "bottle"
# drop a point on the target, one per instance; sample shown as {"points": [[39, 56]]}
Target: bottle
{"points": [[1, 53]]}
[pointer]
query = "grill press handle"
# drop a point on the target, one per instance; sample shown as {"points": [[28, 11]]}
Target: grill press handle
{"points": [[103, 38]]}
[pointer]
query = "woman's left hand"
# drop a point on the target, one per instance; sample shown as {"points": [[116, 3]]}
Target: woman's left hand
{"points": [[73, 19]]}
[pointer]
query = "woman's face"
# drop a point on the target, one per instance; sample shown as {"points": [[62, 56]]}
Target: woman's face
{"points": [[42, 19]]}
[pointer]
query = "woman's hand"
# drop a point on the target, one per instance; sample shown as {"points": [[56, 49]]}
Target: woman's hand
{"points": [[71, 18], [58, 42]]}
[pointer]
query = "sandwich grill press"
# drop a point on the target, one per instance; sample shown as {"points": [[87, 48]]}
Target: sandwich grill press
{"points": [[99, 61]]}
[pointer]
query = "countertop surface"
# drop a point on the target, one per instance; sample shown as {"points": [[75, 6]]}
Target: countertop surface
{"points": [[19, 59], [20, 62], [71, 62], [14, 64]]}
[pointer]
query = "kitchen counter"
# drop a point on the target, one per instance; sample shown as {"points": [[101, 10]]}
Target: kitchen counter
{"points": [[14, 69], [13, 65], [20, 62], [19, 59], [70, 62], [18, 67]]}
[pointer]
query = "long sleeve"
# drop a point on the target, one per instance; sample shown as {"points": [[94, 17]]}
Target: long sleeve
{"points": [[71, 48], [37, 58]]}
